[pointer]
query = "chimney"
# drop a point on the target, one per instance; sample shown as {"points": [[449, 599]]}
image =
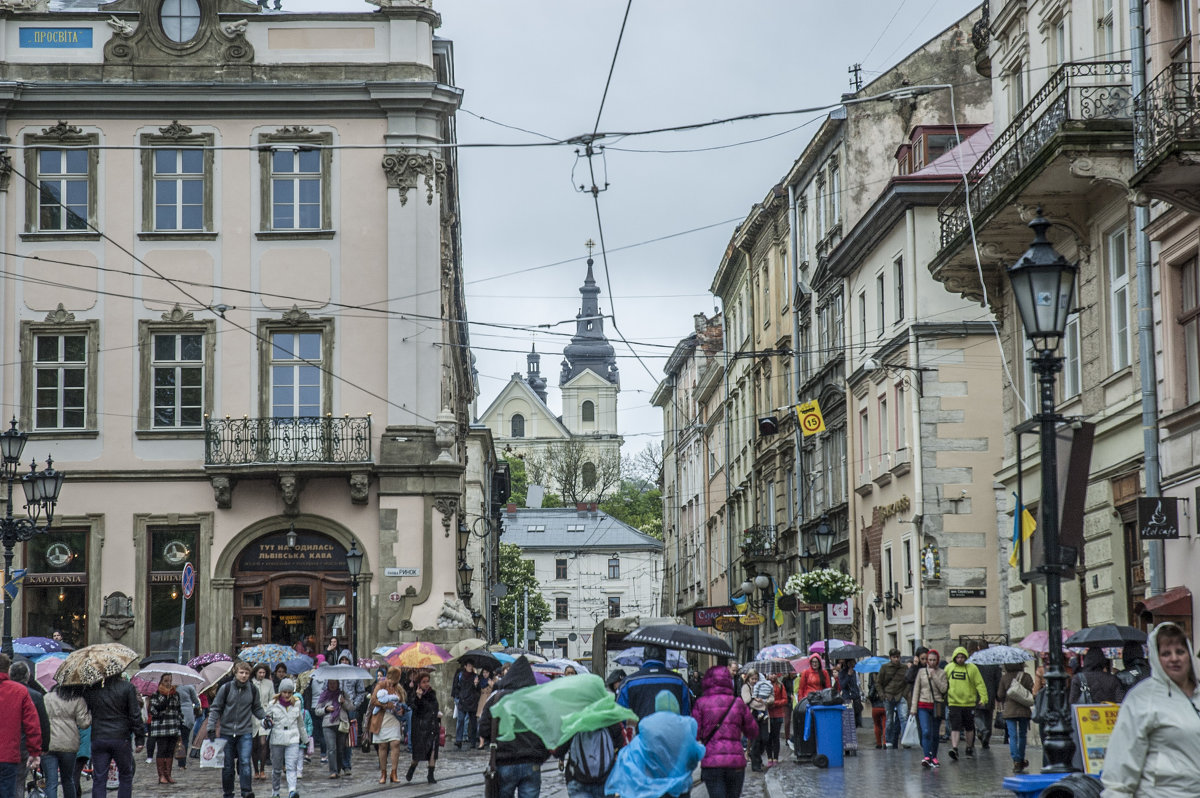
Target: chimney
{"points": [[592, 507], [511, 508], [580, 508]]}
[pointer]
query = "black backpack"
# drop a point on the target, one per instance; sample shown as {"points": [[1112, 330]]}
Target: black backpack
{"points": [[591, 756]]}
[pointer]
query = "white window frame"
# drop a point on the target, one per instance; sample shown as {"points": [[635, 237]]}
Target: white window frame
{"points": [[885, 444], [901, 419], [1072, 380], [898, 271], [1116, 258], [880, 305]]}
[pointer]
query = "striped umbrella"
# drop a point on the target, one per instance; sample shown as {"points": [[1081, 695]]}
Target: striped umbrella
{"points": [[418, 655]]}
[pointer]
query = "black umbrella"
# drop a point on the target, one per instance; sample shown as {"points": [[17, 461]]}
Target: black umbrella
{"points": [[480, 658], [1108, 634], [683, 638], [849, 652], [153, 658]]}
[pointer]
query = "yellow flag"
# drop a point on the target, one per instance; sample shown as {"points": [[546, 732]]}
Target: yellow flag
{"points": [[1024, 525]]}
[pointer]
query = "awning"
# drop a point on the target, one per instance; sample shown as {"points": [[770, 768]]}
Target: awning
{"points": [[1176, 601]]}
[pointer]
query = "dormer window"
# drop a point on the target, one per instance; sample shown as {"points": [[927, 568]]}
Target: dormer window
{"points": [[180, 19]]}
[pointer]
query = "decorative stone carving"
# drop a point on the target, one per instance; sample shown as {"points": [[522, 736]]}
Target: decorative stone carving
{"points": [[401, 3], [60, 315], [454, 615], [213, 43], [360, 487], [116, 614], [122, 27], [238, 28], [62, 131], [404, 167], [178, 315], [289, 491], [175, 130], [296, 316], [447, 506], [223, 492], [296, 130], [443, 435], [6, 170]]}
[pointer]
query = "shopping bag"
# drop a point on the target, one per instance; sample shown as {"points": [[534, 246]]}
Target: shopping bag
{"points": [[312, 747], [114, 776], [212, 753], [352, 742], [912, 736]]}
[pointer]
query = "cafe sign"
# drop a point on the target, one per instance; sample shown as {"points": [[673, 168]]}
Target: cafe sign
{"points": [[705, 616], [312, 552]]}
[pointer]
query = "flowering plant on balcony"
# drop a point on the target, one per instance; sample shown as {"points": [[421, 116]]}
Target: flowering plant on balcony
{"points": [[822, 586]]}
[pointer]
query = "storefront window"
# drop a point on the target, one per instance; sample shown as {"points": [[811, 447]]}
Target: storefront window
{"points": [[171, 548], [55, 587]]}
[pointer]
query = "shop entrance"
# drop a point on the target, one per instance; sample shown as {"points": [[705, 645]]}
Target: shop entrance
{"points": [[284, 593]]}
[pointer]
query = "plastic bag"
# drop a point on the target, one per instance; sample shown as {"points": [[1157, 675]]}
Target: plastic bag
{"points": [[912, 736], [212, 753]]}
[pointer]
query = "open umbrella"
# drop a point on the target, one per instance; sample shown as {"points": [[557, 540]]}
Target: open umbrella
{"points": [[633, 658], [680, 637], [1109, 634], [298, 664], [463, 646], [999, 655], [201, 660], [93, 664], [269, 654], [481, 658], [772, 666], [418, 655], [779, 651], [1039, 641], [851, 651], [214, 672], [180, 674], [44, 672], [369, 664], [345, 672], [558, 666], [34, 646], [870, 665], [504, 659], [818, 647]]}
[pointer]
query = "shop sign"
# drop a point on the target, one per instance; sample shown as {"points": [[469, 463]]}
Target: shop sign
{"points": [[1158, 517], [312, 552], [1093, 728], [57, 580], [704, 616], [55, 37]]}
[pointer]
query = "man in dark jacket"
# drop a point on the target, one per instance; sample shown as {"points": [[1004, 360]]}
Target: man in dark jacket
{"points": [[235, 708], [1094, 684], [640, 690], [466, 701], [518, 761], [115, 718], [893, 688], [1133, 660], [983, 714]]}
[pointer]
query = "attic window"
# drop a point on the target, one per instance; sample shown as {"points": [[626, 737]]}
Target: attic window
{"points": [[575, 528], [536, 528], [180, 19]]}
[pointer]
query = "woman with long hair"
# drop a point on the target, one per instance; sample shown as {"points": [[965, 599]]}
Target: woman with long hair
{"points": [[166, 721], [928, 703], [388, 705], [426, 718], [260, 751], [334, 707]]}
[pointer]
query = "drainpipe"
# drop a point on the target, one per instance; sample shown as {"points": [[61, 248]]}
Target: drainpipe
{"points": [[676, 500], [728, 482], [794, 248], [918, 470], [1145, 288]]}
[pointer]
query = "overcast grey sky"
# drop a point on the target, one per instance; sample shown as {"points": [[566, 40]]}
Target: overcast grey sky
{"points": [[541, 65]]}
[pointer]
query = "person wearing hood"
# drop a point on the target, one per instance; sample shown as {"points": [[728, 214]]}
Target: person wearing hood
{"points": [[1154, 749], [1094, 684], [639, 691], [357, 695], [333, 707], [660, 760], [426, 721], [966, 691], [316, 686], [518, 761], [722, 719], [1136, 667], [287, 734], [928, 697]]}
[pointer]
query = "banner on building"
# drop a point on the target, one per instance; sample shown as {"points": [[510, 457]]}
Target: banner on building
{"points": [[1158, 517]]}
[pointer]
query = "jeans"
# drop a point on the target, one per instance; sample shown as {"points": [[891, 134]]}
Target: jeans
{"points": [[723, 782], [522, 779], [776, 727], [8, 779], [59, 768], [285, 761], [335, 748], [577, 789], [237, 746], [464, 728], [983, 725], [347, 750], [929, 732], [120, 751], [1018, 732], [896, 711], [407, 721]]}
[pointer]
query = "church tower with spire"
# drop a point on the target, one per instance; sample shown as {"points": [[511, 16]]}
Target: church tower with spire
{"points": [[590, 379]]}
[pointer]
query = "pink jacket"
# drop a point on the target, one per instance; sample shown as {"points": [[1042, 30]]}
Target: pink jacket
{"points": [[723, 719]]}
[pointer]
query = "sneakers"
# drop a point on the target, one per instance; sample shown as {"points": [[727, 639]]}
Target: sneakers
{"points": [[149, 760], [926, 762], [954, 753], [970, 752], [933, 763]]}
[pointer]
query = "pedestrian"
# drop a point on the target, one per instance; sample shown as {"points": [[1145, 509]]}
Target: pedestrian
{"points": [[191, 708], [775, 713], [316, 686], [1015, 711], [19, 673], [893, 687], [812, 680], [285, 718], [279, 675], [640, 690], [1094, 684], [723, 719], [878, 713], [388, 705], [426, 722], [1136, 668], [82, 757], [928, 698], [333, 706], [467, 727], [519, 760], [166, 723], [848, 686], [260, 751], [1154, 749], [487, 683], [758, 695], [116, 717], [332, 649], [234, 710], [68, 714], [356, 694], [614, 680], [984, 713], [966, 691], [19, 726], [660, 760]]}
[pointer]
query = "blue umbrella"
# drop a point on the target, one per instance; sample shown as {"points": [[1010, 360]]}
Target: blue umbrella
{"points": [[504, 658], [48, 655], [33, 646], [633, 657], [870, 665], [300, 664]]}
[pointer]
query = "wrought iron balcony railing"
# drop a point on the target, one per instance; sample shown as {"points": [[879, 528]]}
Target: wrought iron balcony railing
{"points": [[247, 441], [1077, 92], [1167, 111], [760, 541]]}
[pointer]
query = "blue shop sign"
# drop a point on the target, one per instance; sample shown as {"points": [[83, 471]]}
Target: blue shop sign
{"points": [[56, 37]]}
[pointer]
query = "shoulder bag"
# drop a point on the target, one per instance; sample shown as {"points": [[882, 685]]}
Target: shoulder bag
{"points": [[491, 776], [1019, 693], [724, 717]]}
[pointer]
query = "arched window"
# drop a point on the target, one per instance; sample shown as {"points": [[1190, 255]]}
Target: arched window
{"points": [[518, 426], [589, 475], [589, 411], [180, 19]]}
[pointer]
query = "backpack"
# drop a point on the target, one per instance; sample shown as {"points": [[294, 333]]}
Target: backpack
{"points": [[591, 756]]}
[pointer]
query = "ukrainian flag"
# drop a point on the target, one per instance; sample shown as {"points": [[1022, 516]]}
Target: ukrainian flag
{"points": [[778, 596], [740, 604], [12, 587], [1024, 526]]}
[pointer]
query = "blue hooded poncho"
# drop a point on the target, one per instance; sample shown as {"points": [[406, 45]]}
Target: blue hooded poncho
{"points": [[660, 760]]}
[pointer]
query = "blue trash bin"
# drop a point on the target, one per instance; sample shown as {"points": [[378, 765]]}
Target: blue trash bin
{"points": [[828, 728]]}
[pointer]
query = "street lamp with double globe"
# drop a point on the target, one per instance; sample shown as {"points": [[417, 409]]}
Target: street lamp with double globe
{"points": [[1043, 284], [354, 560], [41, 495]]}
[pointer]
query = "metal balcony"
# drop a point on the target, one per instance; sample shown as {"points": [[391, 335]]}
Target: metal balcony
{"points": [[760, 542], [1167, 136], [252, 441]]}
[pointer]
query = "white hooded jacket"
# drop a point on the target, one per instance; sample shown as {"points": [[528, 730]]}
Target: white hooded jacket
{"points": [[1154, 751]]}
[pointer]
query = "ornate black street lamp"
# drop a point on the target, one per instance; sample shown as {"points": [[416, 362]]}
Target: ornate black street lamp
{"points": [[354, 559], [1043, 284], [41, 495], [823, 544]]}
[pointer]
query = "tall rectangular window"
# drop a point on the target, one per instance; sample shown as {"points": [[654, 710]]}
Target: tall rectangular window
{"points": [[803, 233], [864, 440], [170, 547], [820, 203], [885, 445], [1031, 387], [908, 563], [62, 179], [1118, 294], [880, 305], [60, 381], [178, 189], [296, 173], [560, 569], [862, 319], [889, 574], [837, 323], [560, 608], [901, 419], [835, 195], [1060, 42], [614, 606], [614, 568], [178, 374], [898, 272], [1072, 379], [295, 374], [1189, 326], [54, 594], [1108, 33]]}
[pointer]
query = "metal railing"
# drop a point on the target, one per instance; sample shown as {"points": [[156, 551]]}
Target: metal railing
{"points": [[245, 441], [1083, 91], [760, 541], [1168, 110]]}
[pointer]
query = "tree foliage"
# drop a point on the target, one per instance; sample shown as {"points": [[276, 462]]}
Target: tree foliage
{"points": [[518, 574], [637, 506], [519, 484], [580, 471]]}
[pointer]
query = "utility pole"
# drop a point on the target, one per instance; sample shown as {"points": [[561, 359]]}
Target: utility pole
{"points": [[525, 642]]}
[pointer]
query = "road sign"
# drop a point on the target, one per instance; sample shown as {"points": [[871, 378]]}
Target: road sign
{"points": [[189, 580], [842, 613], [394, 597], [809, 415]]}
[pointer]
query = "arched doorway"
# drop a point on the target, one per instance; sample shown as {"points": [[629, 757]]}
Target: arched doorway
{"points": [[285, 591]]}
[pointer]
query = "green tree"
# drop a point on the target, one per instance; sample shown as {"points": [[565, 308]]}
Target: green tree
{"points": [[637, 505], [517, 573], [518, 479]]}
